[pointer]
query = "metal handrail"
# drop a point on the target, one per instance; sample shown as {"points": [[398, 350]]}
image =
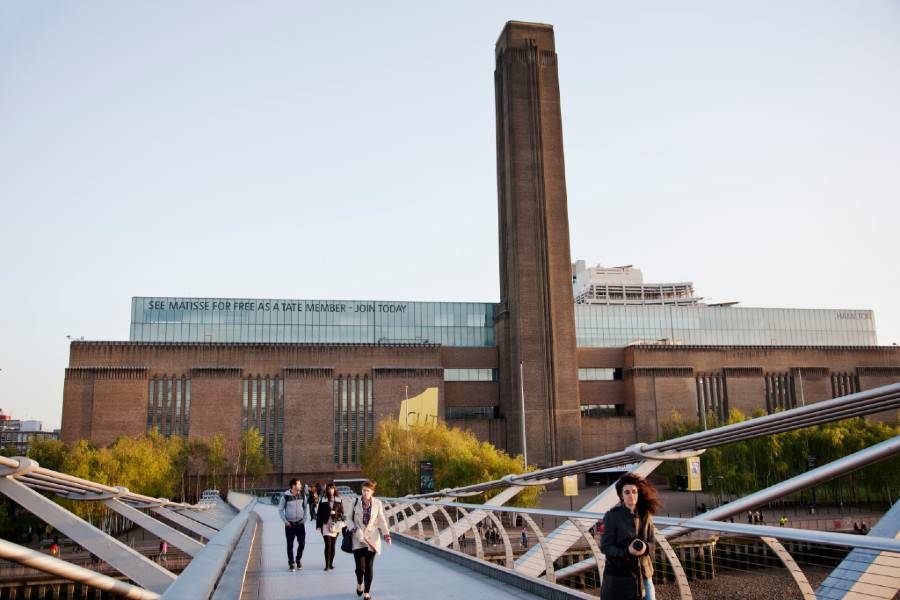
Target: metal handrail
{"points": [[832, 538], [859, 404]]}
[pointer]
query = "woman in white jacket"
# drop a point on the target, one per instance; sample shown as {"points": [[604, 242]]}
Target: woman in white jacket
{"points": [[369, 524]]}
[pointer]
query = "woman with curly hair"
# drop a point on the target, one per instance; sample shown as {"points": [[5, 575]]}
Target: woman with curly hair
{"points": [[628, 541]]}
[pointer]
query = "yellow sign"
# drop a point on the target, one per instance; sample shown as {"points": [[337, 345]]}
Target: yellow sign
{"points": [[420, 410], [693, 473], [570, 482]]}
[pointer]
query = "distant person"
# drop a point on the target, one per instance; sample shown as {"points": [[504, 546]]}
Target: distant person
{"points": [[367, 521], [751, 518], [524, 538], [628, 541], [164, 552], [313, 501], [782, 521], [330, 522], [292, 508], [54, 548], [863, 528], [856, 527]]}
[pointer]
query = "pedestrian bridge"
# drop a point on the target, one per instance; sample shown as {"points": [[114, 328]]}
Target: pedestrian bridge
{"points": [[446, 547]]}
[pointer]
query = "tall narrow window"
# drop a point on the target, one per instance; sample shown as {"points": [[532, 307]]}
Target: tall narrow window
{"points": [[150, 410], [178, 385], [336, 419], [345, 420], [246, 407], [354, 421], [167, 411], [263, 408], [187, 408]]}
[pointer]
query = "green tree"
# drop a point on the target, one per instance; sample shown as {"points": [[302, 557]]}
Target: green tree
{"points": [[251, 460], [216, 458], [50, 454], [751, 465], [392, 458]]}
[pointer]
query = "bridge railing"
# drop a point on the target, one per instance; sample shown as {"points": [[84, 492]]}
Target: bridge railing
{"points": [[207, 534], [787, 561], [446, 522]]}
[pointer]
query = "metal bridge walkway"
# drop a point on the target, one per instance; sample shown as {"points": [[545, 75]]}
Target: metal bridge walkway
{"points": [[400, 572]]}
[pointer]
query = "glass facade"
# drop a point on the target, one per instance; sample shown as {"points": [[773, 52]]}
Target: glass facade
{"points": [[617, 326], [471, 323], [311, 321]]}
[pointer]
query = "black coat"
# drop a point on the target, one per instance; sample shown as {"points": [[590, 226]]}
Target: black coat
{"points": [[622, 573], [324, 511]]}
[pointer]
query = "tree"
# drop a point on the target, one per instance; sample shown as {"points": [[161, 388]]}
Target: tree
{"points": [[751, 465], [216, 459], [392, 458], [252, 460]]}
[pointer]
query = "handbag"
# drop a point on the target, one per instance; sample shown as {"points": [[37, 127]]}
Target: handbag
{"points": [[347, 540]]}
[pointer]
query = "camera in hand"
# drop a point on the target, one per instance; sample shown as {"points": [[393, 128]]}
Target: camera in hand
{"points": [[638, 545]]}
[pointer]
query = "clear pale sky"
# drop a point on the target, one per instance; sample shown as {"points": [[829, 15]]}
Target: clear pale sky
{"points": [[346, 150]]}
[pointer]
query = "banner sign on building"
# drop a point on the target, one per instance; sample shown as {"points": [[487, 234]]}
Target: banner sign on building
{"points": [[426, 477], [420, 410], [693, 473], [570, 482]]}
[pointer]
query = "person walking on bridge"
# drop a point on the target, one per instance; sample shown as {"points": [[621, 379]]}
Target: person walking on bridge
{"points": [[330, 521], [293, 511], [628, 542], [368, 520]]}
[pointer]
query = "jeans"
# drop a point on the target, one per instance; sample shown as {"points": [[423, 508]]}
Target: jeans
{"points": [[649, 590], [295, 529]]}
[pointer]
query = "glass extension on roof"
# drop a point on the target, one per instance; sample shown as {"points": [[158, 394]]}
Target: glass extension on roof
{"points": [[617, 326], [311, 321]]}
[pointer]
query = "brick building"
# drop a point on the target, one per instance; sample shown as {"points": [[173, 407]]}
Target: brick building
{"points": [[315, 376]]}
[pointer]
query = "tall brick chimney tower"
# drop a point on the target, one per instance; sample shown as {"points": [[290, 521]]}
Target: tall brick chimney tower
{"points": [[535, 323]]}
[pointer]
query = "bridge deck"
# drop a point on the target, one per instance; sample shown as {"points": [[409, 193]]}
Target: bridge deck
{"points": [[400, 572]]}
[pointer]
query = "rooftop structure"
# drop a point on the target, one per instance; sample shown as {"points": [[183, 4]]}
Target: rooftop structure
{"points": [[625, 285]]}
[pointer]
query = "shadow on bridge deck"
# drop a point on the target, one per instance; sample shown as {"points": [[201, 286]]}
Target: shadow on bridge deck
{"points": [[400, 572]]}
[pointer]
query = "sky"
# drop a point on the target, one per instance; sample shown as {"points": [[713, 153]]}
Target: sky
{"points": [[347, 151]]}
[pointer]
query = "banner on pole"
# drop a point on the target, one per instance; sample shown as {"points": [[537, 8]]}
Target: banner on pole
{"points": [[693, 473], [570, 482]]}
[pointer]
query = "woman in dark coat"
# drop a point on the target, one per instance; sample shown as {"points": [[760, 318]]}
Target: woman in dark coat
{"points": [[628, 542], [330, 521]]}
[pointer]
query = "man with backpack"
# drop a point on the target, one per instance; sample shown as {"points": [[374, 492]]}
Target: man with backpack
{"points": [[293, 509]]}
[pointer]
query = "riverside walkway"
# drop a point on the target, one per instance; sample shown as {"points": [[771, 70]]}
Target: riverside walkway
{"points": [[400, 571]]}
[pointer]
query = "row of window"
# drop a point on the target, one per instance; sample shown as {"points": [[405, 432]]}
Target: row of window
{"points": [[473, 412], [470, 374], [263, 410], [602, 410], [597, 374], [169, 406], [353, 418]]}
